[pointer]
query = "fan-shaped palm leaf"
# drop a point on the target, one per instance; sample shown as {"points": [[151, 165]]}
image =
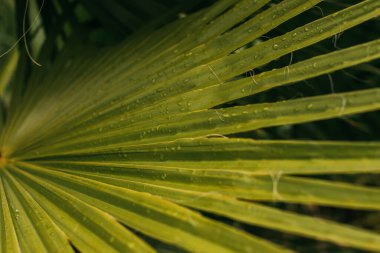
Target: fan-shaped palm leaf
{"points": [[104, 146]]}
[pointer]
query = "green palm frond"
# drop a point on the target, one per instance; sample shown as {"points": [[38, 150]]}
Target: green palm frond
{"points": [[122, 147]]}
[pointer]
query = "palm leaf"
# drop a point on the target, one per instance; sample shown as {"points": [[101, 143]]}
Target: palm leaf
{"points": [[112, 149]]}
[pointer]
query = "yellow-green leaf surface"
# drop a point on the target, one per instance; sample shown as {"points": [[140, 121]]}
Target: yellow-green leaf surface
{"points": [[225, 205], [147, 143], [160, 219]]}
